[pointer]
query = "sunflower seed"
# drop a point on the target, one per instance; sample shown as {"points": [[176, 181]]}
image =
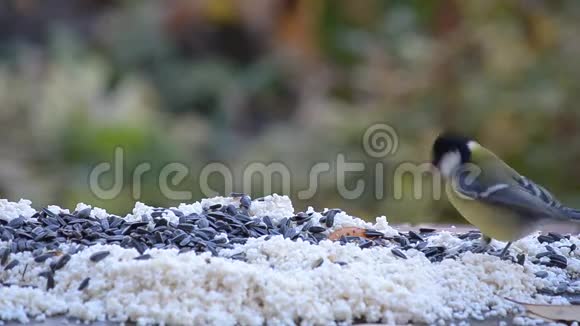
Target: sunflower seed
{"points": [[365, 244], [541, 274], [556, 236], [61, 262], [85, 213], [421, 245], [316, 229], [543, 254], [373, 233], [521, 259], [559, 262], [403, 242], [215, 206], [11, 265], [143, 257], [414, 236], [16, 223], [398, 253], [98, 256], [4, 254], [187, 227], [329, 222], [545, 238], [84, 284], [42, 258], [245, 201], [49, 281]]}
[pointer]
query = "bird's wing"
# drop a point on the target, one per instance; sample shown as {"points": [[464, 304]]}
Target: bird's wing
{"points": [[538, 191], [529, 201]]}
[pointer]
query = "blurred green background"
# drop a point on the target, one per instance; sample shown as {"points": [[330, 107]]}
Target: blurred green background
{"points": [[292, 81]]}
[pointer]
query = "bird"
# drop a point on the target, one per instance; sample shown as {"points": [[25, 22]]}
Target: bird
{"points": [[491, 195]]}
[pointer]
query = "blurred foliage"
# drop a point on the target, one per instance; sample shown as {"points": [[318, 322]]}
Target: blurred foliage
{"points": [[293, 81]]}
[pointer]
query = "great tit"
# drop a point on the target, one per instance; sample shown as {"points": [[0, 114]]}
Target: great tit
{"points": [[491, 195]]}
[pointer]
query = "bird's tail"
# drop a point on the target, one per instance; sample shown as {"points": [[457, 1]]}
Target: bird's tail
{"points": [[573, 214]]}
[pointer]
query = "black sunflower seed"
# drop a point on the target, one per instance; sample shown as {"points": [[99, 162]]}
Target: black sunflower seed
{"points": [[574, 301], [414, 236], [556, 236], [118, 237], [139, 246], [61, 262], [50, 281], [430, 251], [316, 229], [144, 257], [85, 213], [541, 274], [245, 201], [11, 265], [329, 222], [239, 256], [556, 263], [373, 233], [307, 226], [42, 258], [99, 255], [365, 244], [521, 259], [543, 254], [403, 242], [545, 238], [104, 223], [421, 245], [4, 254], [48, 212], [215, 206], [16, 223], [84, 284], [187, 227], [398, 253], [558, 257], [185, 241], [230, 209]]}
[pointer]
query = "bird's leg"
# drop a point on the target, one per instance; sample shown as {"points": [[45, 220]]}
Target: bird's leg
{"points": [[483, 245], [505, 250]]}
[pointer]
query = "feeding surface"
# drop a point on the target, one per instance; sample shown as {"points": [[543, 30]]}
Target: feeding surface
{"points": [[237, 261]]}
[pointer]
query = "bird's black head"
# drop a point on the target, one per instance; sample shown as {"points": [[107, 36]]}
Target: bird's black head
{"points": [[450, 151]]}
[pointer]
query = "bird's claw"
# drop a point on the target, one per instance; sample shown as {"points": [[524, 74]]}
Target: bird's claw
{"points": [[480, 248]]}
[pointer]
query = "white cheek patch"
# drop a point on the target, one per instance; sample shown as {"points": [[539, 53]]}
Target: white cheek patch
{"points": [[449, 163], [473, 145]]}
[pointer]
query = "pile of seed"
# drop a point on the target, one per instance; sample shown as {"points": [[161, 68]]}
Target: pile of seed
{"points": [[220, 228], [217, 227]]}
